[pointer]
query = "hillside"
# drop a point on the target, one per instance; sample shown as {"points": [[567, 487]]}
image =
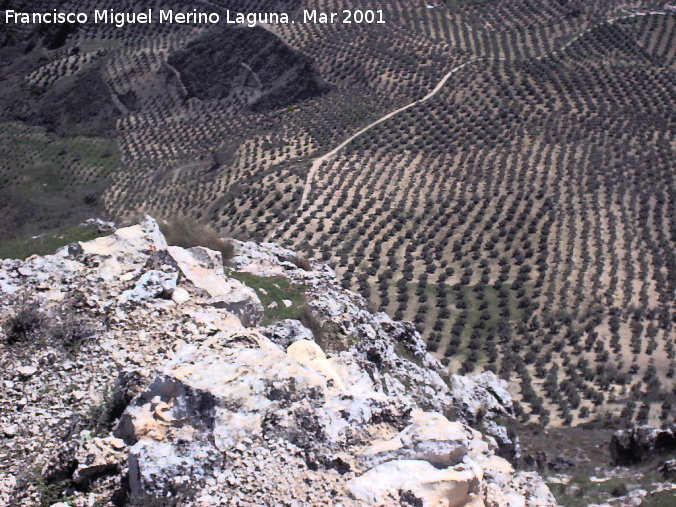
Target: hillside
{"points": [[141, 374], [249, 64], [498, 172]]}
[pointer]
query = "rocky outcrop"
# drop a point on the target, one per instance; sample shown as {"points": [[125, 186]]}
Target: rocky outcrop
{"points": [[640, 444], [204, 268], [201, 406], [321, 417], [286, 332]]}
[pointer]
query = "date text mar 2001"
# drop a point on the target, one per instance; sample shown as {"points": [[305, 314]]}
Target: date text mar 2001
{"points": [[346, 16]]}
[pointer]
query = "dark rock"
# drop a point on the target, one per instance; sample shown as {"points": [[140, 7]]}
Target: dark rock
{"points": [[128, 386], [408, 498], [338, 465], [249, 313], [64, 463], [560, 464], [88, 475], [668, 469], [544, 462], [191, 407], [253, 61], [75, 250], [641, 444], [286, 332], [160, 260]]}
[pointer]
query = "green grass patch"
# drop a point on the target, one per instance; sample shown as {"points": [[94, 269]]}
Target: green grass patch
{"points": [[474, 308], [39, 162], [51, 493], [332, 339], [45, 244], [404, 353], [274, 289], [661, 499], [582, 491]]}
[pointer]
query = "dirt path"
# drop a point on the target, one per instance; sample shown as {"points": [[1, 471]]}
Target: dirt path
{"points": [[317, 163], [175, 71]]}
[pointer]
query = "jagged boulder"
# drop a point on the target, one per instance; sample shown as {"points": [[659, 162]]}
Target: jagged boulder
{"points": [[286, 332], [63, 463], [87, 459], [420, 481], [483, 401], [204, 269], [642, 443], [98, 457], [299, 409], [382, 344]]}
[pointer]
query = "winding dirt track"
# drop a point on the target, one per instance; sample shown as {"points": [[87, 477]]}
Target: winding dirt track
{"points": [[316, 164]]}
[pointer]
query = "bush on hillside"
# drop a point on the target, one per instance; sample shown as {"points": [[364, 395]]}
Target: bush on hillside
{"points": [[61, 327], [28, 321], [71, 331], [188, 232], [302, 262]]}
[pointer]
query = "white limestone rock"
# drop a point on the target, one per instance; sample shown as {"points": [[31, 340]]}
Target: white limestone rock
{"points": [[270, 259], [103, 226], [152, 284], [483, 400], [245, 396], [26, 372], [126, 250], [225, 413], [285, 332], [204, 268], [384, 484], [98, 457]]}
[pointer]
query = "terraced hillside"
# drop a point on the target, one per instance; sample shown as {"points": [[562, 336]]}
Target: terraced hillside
{"points": [[500, 172]]}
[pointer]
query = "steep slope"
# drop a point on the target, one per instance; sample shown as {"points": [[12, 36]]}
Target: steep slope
{"points": [[72, 97], [195, 408], [249, 62], [521, 217]]}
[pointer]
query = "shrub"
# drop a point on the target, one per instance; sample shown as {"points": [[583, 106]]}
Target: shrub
{"points": [[310, 321], [71, 331], [620, 490], [301, 262], [187, 233], [101, 417], [28, 322], [62, 327]]}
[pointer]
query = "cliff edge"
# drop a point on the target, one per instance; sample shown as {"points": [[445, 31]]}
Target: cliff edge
{"points": [[138, 373]]}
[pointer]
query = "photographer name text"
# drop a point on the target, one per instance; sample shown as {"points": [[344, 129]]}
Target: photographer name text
{"points": [[194, 17]]}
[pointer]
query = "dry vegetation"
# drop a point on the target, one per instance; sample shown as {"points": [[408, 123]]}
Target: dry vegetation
{"points": [[522, 217], [187, 233], [65, 326]]}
